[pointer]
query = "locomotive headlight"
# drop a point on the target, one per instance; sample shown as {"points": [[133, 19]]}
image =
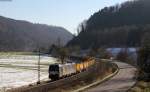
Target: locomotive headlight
{"points": [[53, 72]]}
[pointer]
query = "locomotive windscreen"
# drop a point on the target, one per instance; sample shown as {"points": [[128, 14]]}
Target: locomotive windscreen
{"points": [[53, 68]]}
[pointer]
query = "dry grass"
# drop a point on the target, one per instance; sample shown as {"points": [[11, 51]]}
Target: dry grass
{"points": [[102, 71], [141, 86]]}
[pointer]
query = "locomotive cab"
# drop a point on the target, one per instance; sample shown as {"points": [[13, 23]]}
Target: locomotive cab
{"points": [[54, 71]]}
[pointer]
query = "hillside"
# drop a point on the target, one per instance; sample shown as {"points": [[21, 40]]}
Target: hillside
{"points": [[17, 35], [123, 25]]}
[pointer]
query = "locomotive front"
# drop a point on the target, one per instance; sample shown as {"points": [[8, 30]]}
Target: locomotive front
{"points": [[54, 71]]}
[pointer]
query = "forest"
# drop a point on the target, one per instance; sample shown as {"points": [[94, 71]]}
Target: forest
{"points": [[19, 35], [122, 25]]}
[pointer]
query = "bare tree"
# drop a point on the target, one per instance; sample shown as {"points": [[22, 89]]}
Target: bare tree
{"points": [[81, 27], [63, 53]]}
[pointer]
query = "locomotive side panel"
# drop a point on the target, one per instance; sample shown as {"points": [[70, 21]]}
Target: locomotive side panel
{"points": [[64, 70], [73, 68], [60, 72]]}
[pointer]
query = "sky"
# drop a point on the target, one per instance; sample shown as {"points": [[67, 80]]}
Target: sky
{"points": [[65, 13]]}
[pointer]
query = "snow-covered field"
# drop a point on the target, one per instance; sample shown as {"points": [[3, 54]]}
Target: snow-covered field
{"points": [[20, 70]]}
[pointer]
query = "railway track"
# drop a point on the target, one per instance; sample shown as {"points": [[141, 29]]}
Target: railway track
{"points": [[50, 84], [63, 84]]}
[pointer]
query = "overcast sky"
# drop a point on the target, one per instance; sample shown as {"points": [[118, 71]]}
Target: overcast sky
{"points": [[65, 13]]}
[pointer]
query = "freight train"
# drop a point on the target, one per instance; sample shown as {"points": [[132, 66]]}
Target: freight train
{"points": [[57, 71]]}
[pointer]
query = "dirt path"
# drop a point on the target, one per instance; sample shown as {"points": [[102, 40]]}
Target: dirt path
{"points": [[119, 83]]}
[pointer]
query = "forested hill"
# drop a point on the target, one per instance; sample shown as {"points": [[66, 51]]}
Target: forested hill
{"points": [[16, 35], [115, 26]]}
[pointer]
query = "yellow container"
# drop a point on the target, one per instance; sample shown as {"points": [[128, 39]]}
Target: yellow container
{"points": [[78, 67]]}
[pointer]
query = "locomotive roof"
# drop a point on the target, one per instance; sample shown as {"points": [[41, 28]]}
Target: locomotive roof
{"points": [[60, 65]]}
